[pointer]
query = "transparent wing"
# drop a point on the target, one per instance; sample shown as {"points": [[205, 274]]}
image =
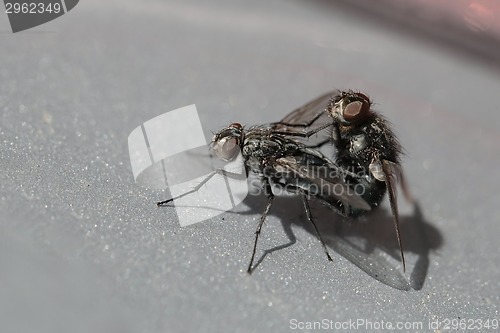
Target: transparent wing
{"points": [[310, 123], [309, 115], [393, 175], [323, 181]]}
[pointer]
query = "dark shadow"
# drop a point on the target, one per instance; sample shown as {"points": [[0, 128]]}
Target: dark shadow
{"points": [[369, 241]]}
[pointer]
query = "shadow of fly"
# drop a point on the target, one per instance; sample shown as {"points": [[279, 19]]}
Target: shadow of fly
{"points": [[288, 155]]}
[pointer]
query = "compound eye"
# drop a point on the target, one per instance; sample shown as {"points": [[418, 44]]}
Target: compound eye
{"points": [[236, 125], [227, 148], [355, 110], [352, 110]]}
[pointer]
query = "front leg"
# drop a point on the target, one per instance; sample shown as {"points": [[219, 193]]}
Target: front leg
{"points": [[303, 133], [232, 175], [336, 137]]}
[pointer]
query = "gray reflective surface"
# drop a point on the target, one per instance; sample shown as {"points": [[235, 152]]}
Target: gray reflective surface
{"points": [[83, 248]]}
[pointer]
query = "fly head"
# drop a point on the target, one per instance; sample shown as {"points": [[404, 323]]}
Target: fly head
{"points": [[349, 107], [227, 143]]}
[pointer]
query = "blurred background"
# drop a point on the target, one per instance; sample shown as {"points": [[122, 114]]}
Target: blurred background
{"points": [[83, 248]]}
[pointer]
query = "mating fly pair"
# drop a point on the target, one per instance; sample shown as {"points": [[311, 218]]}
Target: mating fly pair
{"points": [[288, 155]]}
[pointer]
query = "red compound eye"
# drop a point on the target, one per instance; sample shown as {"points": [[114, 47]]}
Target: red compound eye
{"points": [[356, 110], [352, 110]]}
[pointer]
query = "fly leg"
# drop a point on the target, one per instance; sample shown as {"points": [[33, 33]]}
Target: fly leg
{"points": [[310, 218], [270, 197], [203, 182], [303, 134]]}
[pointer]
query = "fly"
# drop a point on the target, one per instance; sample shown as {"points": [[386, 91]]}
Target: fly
{"points": [[278, 155], [367, 150], [367, 146], [288, 155]]}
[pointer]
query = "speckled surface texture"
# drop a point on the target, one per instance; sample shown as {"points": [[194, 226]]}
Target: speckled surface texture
{"points": [[84, 249]]}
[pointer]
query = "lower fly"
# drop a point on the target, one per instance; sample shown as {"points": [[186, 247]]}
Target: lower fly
{"points": [[280, 160]]}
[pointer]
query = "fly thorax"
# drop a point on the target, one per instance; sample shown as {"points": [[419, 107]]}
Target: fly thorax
{"points": [[357, 143], [250, 147], [270, 148]]}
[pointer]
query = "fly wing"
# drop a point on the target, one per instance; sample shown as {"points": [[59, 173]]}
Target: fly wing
{"points": [[310, 114], [393, 175], [329, 184], [307, 118]]}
